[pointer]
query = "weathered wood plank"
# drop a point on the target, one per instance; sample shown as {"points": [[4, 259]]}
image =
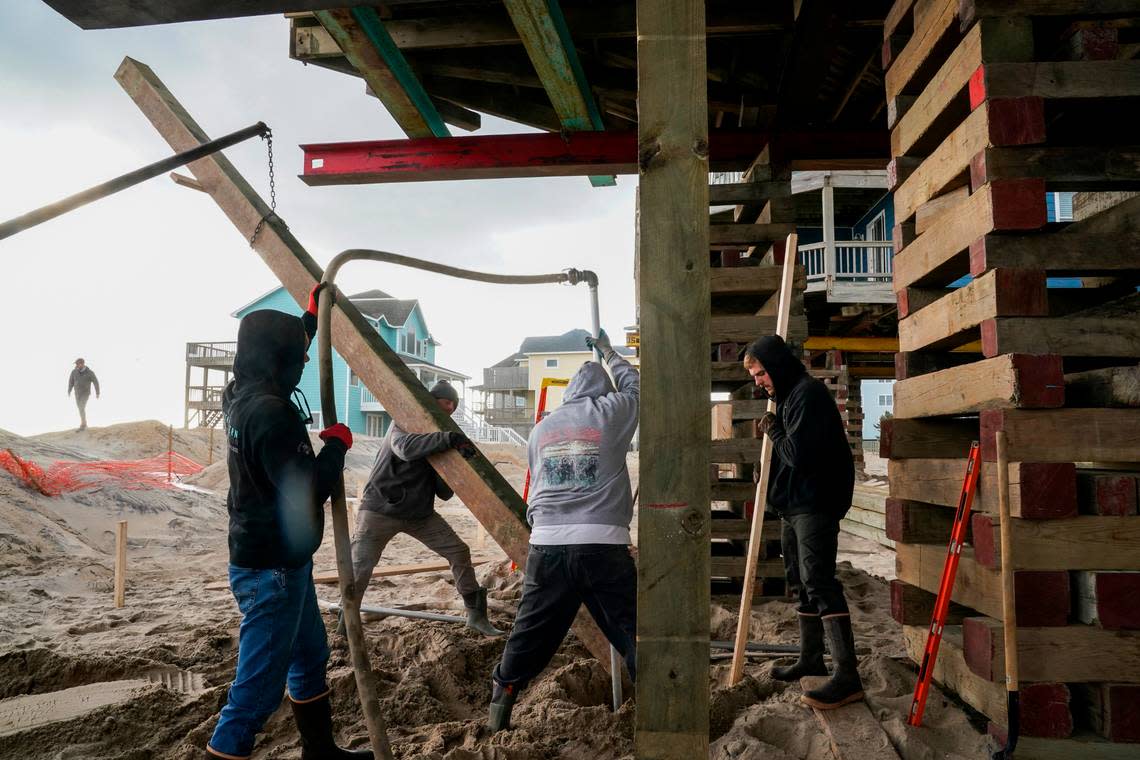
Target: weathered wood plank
{"points": [[745, 329], [750, 281], [739, 529], [1082, 745], [913, 522], [911, 605], [1069, 654], [915, 438], [939, 255], [1107, 492], [952, 319], [1064, 435], [1009, 381], [672, 721], [1085, 542], [748, 192], [735, 451], [1039, 490], [970, 11], [1063, 168], [854, 733], [1113, 710], [721, 235], [1111, 386], [938, 208], [932, 25], [1056, 79], [736, 567], [1043, 597], [1064, 336]]}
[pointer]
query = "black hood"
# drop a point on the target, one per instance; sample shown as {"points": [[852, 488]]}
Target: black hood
{"points": [[270, 353], [780, 363]]}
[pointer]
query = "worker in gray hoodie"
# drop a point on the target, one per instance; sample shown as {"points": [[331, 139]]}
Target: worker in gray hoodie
{"points": [[580, 510], [81, 380]]}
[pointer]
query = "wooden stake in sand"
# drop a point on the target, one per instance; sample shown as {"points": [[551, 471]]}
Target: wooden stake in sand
{"points": [[210, 448], [170, 454], [760, 499], [121, 564]]}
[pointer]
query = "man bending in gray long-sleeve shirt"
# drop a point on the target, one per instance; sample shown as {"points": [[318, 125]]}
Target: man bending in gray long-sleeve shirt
{"points": [[400, 498], [580, 510]]}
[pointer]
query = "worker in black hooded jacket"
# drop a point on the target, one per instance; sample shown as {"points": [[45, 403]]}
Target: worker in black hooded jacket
{"points": [[278, 489], [810, 486]]}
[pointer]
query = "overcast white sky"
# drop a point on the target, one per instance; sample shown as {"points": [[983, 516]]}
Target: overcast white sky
{"points": [[127, 281]]}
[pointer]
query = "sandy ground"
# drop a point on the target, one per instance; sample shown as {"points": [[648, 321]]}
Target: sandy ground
{"points": [[81, 679]]}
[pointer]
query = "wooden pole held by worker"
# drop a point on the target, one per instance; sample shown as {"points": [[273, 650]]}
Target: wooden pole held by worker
{"points": [[760, 499], [121, 563]]}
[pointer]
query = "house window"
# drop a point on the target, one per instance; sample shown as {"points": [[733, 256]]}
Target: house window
{"points": [[353, 379], [550, 363], [877, 229], [316, 423], [887, 400], [374, 425]]}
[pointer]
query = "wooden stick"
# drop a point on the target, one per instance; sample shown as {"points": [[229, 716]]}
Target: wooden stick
{"points": [[210, 448], [1008, 600], [121, 564], [761, 497], [170, 454]]}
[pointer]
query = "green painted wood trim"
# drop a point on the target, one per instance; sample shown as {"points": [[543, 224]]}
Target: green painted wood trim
{"points": [[374, 29]]}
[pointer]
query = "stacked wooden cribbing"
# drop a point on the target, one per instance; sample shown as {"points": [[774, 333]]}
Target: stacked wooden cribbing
{"points": [[745, 280], [867, 517], [992, 105]]}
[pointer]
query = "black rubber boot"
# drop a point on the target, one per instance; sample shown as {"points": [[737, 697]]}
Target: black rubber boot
{"points": [[845, 685], [476, 604], [810, 662], [314, 722], [502, 702]]}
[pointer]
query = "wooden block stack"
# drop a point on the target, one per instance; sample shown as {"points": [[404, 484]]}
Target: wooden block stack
{"points": [[991, 107], [745, 280]]}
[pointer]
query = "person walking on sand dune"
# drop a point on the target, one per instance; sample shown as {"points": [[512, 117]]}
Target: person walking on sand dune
{"points": [[81, 380]]}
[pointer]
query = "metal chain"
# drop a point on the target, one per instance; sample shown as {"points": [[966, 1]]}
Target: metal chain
{"points": [[268, 137]]}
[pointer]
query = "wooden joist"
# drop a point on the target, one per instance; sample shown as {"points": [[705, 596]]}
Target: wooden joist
{"points": [[743, 235], [748, 192], [1085, 542], [739, 528], [911, 605], [750, 281], [1064, 435], [1056, 79], [954, 318], [735, 451], [733, 490], [745, 329], [971, 10], [934, 24], [910, 364], [1068, 654], [1070, 336], [1107, 598], [1043, 596], [918, 438], [918, 132], [1038, 490], [1063, 168], [913, 522], [1113, 711], [1111, 386], [1046, 708], [1009, 381]]}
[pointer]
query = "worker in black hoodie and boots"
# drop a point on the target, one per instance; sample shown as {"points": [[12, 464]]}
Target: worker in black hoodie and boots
{"points": [[810, 486], [278, 489]]}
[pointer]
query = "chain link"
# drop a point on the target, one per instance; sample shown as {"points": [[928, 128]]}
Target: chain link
{"points": [[268, 137]]}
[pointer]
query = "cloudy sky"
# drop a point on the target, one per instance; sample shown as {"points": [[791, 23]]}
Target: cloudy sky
{"points": [[128, 281]]}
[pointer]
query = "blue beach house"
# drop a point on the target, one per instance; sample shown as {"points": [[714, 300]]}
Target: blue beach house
{"points": [[401, 324]]}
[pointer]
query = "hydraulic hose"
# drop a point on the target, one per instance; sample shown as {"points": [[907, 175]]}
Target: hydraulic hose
{"points": [[349, 595]]}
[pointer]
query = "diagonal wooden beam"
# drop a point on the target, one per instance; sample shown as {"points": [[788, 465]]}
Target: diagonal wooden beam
{"points": [[543, 31], [478, 484], [370, 49]]}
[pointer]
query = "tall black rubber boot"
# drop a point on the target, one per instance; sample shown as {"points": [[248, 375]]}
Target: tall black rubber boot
{"points": [[314, 722], [502, 703], [810, 662], [845, 685], [476, 604]]}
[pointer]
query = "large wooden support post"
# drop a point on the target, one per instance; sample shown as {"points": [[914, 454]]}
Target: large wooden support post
{"points": [[482, 488], [673, 266]]}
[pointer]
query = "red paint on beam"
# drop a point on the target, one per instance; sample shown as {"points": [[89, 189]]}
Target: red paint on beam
{"points": [[1047, 490], [548, 154], [1043, 597], [1107, 493]]}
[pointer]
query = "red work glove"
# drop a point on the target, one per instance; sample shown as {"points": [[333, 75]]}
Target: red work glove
{"points": [[338, 432], [312, 308]]}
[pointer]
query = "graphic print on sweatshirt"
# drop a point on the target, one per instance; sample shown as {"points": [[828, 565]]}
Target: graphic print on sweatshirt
{"points": [[570, 458]]}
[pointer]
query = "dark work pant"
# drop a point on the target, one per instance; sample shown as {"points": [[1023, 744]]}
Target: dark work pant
{"points": [[81, 404], [374, 531], [558, 581], [810, 543]]}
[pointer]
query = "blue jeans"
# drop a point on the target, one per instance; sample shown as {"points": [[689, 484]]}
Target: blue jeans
{"points": [[282, 641]]}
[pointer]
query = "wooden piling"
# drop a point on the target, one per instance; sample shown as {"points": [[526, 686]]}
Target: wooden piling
{"points": [[121, 564]]}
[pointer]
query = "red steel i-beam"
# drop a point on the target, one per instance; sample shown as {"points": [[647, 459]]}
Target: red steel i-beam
{"points": [[548, 154]]}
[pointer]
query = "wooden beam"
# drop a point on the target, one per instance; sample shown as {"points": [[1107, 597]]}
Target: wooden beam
{"points": [[366, 43], [735, 451], [851, 345], [1107, 599], [1010, 121], [952, 319], [934, 24], [940, 255], [1009, 381], [853, 732], [1108, 387], [484, 491], [750, 281], [747, 192], [1043, 597], [926, 438], [1062, 168], [1064, 435], [741, 235], [494, 100], [911, 605], [111, 14], [548, 155], [1045, 708], [1084, 746], [1068, 654], [970, 11], [1113, 710], [672, 721], [921, 128], [1056, 79], [1085, 542], [1108, 492], [1039, 490], [1069, 336], [912, 522]]}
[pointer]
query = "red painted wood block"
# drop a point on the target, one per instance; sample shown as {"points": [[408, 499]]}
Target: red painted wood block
{"points": [[728, 352], [1048, 490], [1046, 712], [1115, 711], [1018, 204], [987, 539], [1043, 597], [730, 258], [1109, 599], [913, 522], [1094, 43], [1107, 493], [1040, 380], [911, 605]]}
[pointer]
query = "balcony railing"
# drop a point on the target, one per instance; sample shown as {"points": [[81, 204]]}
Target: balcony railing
{"points": [[368, 402], [505, 378], [856, 270], [211, 354], [204, 397]]}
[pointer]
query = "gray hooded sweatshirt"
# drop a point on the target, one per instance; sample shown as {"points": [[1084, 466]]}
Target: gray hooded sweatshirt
{"points": [[580, 484]]}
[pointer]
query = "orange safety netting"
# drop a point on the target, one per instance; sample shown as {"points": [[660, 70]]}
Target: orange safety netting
{"points": [[161, 471]]}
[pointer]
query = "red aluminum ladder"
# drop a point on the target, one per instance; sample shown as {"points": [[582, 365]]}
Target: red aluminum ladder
{"points": [[946, 587]]}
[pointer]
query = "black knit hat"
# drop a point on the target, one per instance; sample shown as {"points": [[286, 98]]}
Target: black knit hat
{"points": [[444, 389]]}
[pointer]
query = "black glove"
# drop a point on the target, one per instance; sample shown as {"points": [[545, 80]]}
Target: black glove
{"points": [[462, 444], [765, 423]]}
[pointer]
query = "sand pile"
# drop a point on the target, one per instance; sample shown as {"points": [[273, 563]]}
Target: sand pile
{"points": [[60, 637]]}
